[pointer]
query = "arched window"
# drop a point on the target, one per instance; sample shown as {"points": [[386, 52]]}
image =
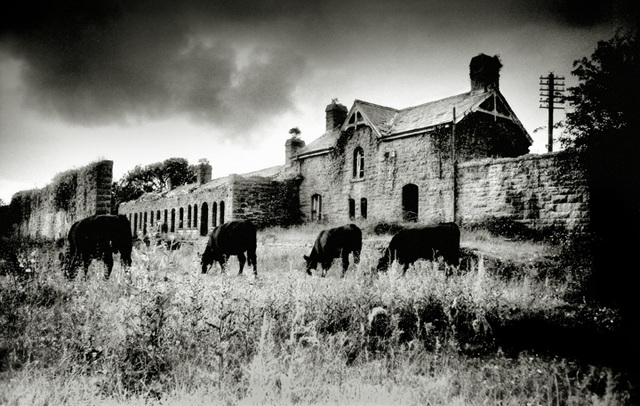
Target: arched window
{"points": [[166, 217], [363, 208], [410, 202], [316, 207], [358, 163], [144, 224], [352, 209], [204, 219], [173, 220], [135, 223], [221, 212], [189, 216], [214, 214], [181, 218], [195, 216]]}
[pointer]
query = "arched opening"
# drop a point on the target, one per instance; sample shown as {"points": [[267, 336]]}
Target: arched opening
{"points": [[410, 202], [173, 220], [221, 212], [144, 224], [195, 216], [204, 219], [352, 209], [358, 163], [189, 216], [214, 215], [181, 219], [135, 223], [316, 207], [363, 208]]}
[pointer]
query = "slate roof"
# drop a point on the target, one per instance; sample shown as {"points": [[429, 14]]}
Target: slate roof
{"points": [[390, 122]]}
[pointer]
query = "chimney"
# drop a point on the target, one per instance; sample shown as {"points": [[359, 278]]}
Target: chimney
{"points": [[336, 114], [204, 173], [291, 148], [484, 72]]}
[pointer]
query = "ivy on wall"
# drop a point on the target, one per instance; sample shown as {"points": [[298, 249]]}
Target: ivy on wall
{"points": [[64, 187]]}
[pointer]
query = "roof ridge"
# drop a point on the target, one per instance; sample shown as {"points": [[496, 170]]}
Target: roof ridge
{"points": [[375, 105], [438, 101]]}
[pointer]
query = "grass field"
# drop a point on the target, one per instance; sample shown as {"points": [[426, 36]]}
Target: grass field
{"points": [[502, 330]]}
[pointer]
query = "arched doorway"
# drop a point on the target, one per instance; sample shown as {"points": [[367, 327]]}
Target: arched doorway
{"points": [[410, 202], [204, 219]]}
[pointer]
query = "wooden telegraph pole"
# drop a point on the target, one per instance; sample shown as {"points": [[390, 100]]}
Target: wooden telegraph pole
{"points": [[551, 97]]}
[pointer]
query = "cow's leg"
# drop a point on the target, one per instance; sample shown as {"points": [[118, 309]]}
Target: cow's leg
{"points": [[404, 268], [253, 261], [108, 261], [86, 261], [325, 267], [222, 261], [345, 262], [242, 260]]}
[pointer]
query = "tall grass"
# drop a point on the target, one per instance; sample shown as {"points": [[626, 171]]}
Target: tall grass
{"points": [[166, 334]]}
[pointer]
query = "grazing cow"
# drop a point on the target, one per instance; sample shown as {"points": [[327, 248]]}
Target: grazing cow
{"points": [[232, 238], [335, 243], [427, 242], [99, 236]]}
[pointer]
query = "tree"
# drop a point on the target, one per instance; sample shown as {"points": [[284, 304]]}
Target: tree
{"points": [[152, 178], [603, 128]]}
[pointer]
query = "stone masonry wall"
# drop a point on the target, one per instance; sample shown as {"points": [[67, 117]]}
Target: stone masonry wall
{"points": [[49, 212], [420, 160], [537, 190], [189, 211]]}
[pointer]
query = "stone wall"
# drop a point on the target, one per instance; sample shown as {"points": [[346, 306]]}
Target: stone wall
{"points": [[188, 211], [539, 191], [422, 160], [192, 211], [72, 195]]}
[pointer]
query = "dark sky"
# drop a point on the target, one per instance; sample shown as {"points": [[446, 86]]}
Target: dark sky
{"points": [[229, 76]]}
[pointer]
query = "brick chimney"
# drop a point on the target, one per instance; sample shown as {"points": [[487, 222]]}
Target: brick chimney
{"points": [[291, 148], [204, 173], [336, 114], [484, 72]]}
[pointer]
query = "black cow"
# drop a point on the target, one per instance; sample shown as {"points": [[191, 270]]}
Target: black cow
{"points": [[335, 243], [100, 236], [232, 238], [428, 242]]}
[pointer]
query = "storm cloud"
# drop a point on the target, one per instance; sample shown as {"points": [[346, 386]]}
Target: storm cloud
{"points": [[229, 63]]}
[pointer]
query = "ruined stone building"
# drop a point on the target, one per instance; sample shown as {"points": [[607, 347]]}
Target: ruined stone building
{"points": [[462, 158]]}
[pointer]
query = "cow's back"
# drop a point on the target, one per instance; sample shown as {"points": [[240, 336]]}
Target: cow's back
{"points": [[331, 242], [235, 237]]}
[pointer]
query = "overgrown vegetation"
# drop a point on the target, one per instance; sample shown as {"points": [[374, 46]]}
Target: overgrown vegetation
{"points": [[171, 335]]}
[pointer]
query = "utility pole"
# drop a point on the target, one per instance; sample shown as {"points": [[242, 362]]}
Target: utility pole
{"points": [[551, 93]]}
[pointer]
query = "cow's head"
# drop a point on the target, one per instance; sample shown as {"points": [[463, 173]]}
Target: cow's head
{"points": [[311, 264]]}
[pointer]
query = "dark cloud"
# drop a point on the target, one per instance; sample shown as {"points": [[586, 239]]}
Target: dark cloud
{"points": [[111, 61]]}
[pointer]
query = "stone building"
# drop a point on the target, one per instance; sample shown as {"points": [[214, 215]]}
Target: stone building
{"points": [[462, 158], [401, 164]]}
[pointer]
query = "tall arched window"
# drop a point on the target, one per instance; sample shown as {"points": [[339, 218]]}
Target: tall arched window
{"points": [[204, 219], [189, 216], [195, 216], [181, 218], [363, 208], [358, 163], [410, 202], [214, 214], [221, 212], [352, 209], [173, 221], [316, 207]]}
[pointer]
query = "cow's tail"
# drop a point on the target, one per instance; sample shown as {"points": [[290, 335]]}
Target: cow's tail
{"points": [[385, 260]]}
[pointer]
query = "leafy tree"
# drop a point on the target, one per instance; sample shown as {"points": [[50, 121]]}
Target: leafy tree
{"points": [[152, 178], [295, 132], [603, 127]]}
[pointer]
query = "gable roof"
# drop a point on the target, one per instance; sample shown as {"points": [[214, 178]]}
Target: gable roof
{"points": [[389, 123]]}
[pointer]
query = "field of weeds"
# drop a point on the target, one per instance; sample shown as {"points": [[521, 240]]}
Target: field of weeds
{"points": [[508, 328]]}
